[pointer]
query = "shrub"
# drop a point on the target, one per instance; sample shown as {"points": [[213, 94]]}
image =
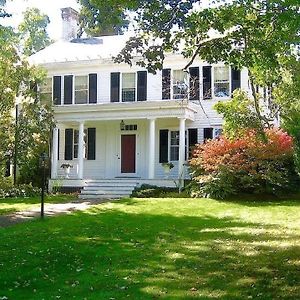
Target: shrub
{"points": [[225, 166], [8, 190], [153, 191]]}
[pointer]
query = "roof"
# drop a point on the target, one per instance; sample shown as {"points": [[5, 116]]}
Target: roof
{"points": [[80, 49]]}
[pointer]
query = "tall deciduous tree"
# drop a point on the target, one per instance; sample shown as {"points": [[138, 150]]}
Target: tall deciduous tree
{"points": [[98, 17], [17, 82], [33, 31]]}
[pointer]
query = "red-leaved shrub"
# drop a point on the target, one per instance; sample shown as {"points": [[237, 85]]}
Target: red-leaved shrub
{"points": [[248, 164]]}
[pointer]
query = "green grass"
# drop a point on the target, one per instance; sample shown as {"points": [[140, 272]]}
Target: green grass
{"points": [[11, 205], [156, 249]]}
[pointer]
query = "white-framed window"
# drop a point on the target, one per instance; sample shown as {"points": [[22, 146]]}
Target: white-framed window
{"points": [[81, 89], [46, 91], [174, 145], [76, 143], [128, 87], [221, 81], [179, 84]]}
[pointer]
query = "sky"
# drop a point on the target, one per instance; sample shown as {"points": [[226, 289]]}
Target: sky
{"points": [[48, 7]]}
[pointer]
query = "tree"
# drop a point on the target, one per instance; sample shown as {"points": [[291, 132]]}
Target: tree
{"points": [[98, 17], [17, 82], [243, 33], [32, 30]]}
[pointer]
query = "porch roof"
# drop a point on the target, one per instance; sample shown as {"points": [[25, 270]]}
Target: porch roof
{"points": [[126, 110]]}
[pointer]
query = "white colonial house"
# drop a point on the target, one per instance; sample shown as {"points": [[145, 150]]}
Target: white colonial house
{"points": [[116, 125]]}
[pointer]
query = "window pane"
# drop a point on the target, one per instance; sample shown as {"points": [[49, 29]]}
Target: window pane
{"points": [[221, 74], [81, 97], [174, 153], [128, 80], [174, 137], [222, 89], [81, 82]]}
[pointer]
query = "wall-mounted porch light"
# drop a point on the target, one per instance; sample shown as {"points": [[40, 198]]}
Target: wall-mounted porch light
{"points": [[122, 125]]}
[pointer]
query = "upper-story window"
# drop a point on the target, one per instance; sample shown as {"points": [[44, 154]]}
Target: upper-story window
{"points": [[180, 84], [46, 91], [81, 89], [221, 81], [128, 87], [70, 89]]}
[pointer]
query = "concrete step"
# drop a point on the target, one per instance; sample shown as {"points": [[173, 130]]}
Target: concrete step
{"points": [[107, 189]]}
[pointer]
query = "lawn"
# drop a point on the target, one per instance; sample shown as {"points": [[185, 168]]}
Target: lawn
{"points": [[11, 205], [156, 249]]}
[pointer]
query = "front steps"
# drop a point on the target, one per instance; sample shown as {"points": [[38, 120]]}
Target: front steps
{"points": [[108, 188]]}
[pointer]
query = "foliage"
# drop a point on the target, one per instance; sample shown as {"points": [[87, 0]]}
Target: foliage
{"points": [[152, 191], [8, 190], [99, 17], [32, 30], [156, 249], [238, 114], [17, 85], [223, 167]]}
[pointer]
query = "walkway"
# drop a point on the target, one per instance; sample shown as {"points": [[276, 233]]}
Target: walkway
{"points": [[49, 210]]}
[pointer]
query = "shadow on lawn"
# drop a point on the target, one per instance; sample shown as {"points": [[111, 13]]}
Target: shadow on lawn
{"points": [[110, 254]]}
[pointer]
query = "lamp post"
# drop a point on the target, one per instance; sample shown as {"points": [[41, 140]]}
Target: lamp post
{"points": [[43, 159]]}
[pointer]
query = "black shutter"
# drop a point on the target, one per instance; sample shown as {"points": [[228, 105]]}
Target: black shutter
{"points": [[92, 88], [91, 155], [69, 144], [115, 87], [57, 90], [141, 85], [194, 83], [207, 133], [193, 139], [207, 82], [235, 79], [163, 145], [68, 89], [166, 84]]}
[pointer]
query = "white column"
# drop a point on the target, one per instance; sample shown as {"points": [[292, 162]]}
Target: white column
{"points": [[80, 150], [54, 154], [151, 162], [181, 160]]}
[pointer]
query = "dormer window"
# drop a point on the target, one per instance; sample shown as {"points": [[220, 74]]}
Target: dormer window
{"points": [[81, 89]]}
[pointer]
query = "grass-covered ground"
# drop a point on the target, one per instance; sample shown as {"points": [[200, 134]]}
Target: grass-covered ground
{"points": [[11, 205], [156, 249]]}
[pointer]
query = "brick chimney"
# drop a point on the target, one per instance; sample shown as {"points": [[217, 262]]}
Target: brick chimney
{"points": [[70, 20]]}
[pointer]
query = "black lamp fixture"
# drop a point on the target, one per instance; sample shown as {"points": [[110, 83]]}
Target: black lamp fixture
{"points": [[43, 160], [122, 125]]}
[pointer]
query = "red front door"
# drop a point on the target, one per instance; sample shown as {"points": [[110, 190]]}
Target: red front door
{"points": [[128, 145]]}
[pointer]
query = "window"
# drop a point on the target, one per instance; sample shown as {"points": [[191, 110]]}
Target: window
{"points": [[180, 84], [76, 143], [128, 87], [221, 81], [174, 146], [46, 91], [81, 89]]}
